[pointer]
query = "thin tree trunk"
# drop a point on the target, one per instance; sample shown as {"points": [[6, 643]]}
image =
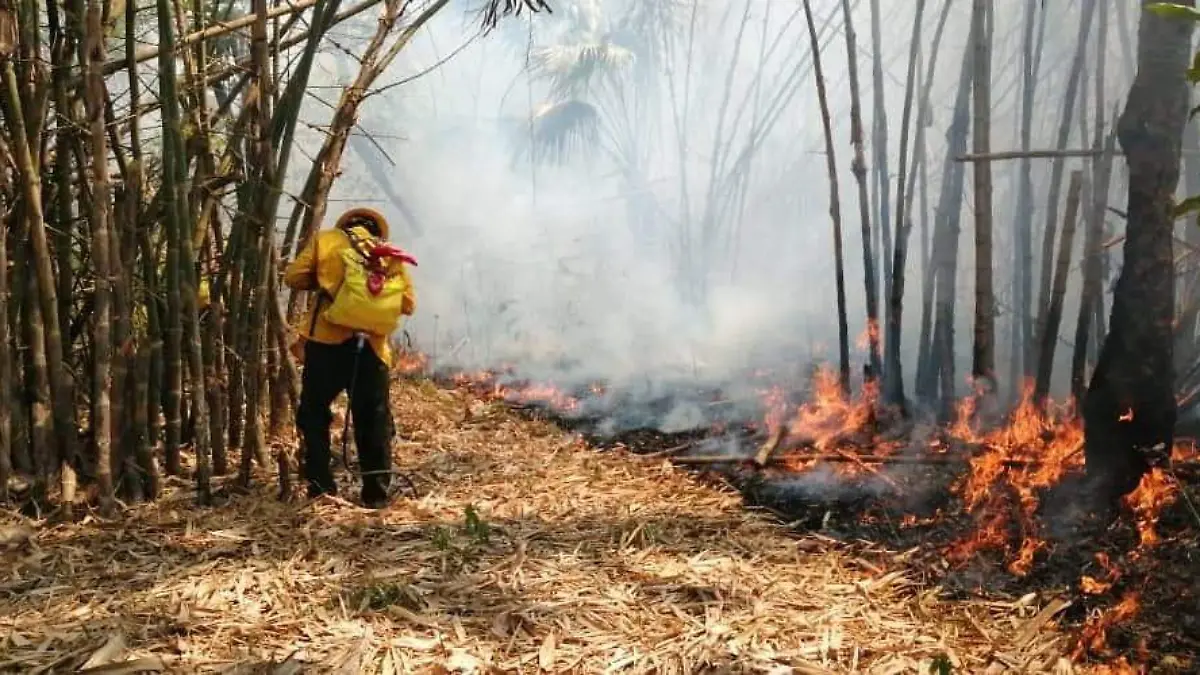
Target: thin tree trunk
{"points": [[947, 229], [893, 375], [1022, 340], [879, 147], [1091, 298], [859, 168], [835, 210], [1049, 336], [1091, 293], [925, 339], [214, 361], [150, 374], [1058, 165], [102, 420], [6, 358], [182, 291], [254, 445], [983, 354], [63, 426]]}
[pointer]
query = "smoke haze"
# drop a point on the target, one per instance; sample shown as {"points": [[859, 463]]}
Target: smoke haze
{"points": [[678, 237]]}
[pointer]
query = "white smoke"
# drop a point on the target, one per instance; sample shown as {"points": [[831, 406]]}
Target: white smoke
{"points": [[577, 272]]}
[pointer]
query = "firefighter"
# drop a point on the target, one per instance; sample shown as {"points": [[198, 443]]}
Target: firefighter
{"points": [[362, 291]]}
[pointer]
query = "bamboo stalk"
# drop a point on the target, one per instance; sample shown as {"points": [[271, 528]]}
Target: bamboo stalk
{"points": [[835, 208], [102, 417], [983, 352], [858, 167], [216, 30]]}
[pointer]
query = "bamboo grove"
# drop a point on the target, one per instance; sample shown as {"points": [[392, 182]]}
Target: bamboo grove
{"points": [[140, 187]]}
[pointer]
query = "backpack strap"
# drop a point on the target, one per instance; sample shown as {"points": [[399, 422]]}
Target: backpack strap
{"points": [[316, 310]]}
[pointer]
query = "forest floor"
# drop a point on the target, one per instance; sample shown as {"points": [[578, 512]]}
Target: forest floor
{"points": [[525, 551]]}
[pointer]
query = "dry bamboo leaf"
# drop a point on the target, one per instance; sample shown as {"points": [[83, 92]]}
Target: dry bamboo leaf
{"points": [[546, 654], [1030, 629], [461, 661], [150, 664], [15, 536], [416, 643], [110, 651]]}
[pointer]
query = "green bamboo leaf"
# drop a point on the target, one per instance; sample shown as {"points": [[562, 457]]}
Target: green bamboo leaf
{"points": [[1171, 10], [1189, 205]]}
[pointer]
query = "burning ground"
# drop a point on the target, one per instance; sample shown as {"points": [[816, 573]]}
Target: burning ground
{"points": [[996, 512]]}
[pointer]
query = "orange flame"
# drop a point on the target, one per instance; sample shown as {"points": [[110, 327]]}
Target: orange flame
{"points": [[1094, 636], [1156, 491], [1030, 453]]}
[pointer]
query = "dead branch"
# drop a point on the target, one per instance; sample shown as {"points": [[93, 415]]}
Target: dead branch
{"points": [[216, 30], [766, 449], [1035, 154]]}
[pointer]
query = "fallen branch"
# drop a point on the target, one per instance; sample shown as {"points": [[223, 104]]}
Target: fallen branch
{"points": [[767, 449], [930, 460], [1034, 154]]}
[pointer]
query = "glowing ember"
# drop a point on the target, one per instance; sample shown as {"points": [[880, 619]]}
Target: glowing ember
{"points": [[1094, 637], [1092, 586]]}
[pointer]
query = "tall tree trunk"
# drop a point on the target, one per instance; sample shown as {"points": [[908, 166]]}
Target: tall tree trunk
{"points": [[1058, 166], [893, 374], [254, 445], [983, 361], [925, 339], [1129, 409], [6, 358], [1022, 338], [1053, 319], [1091, 296], [1091, 293], [63, 426], [150, 373], [879, 148], [859, 167], [947, 229], [835, 210], [101, 413], [183, 314]]}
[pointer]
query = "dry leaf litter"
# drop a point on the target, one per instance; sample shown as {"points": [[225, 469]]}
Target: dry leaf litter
{"points": [[525, 552]]}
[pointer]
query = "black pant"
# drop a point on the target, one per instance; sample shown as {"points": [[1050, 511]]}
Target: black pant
{"points": [[328, 371]]}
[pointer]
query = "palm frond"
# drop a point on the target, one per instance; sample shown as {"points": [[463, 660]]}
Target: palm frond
{"points": [[493, 10], [648, 28], [570, 68], [562, 130]]}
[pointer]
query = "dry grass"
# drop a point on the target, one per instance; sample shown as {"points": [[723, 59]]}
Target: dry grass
{"points": [[527, 552]]}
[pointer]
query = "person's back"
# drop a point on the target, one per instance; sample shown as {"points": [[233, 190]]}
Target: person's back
{"points": [[362, 290]]}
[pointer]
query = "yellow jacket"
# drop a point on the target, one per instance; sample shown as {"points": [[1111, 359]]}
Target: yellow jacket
{"points": [[319, 266]]}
